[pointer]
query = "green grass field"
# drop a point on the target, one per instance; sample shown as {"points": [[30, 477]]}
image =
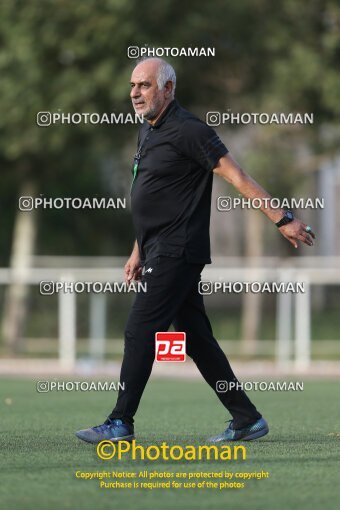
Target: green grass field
{"points": [[40, 454]]}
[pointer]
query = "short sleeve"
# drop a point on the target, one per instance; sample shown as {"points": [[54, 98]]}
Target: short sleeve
{"points": [[199, 142]]}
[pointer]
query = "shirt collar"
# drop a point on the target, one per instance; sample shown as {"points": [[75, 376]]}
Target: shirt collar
{"points": [[167, 112]]}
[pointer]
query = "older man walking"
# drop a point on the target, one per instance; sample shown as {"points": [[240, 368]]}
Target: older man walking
{"points": [[177, 155]]}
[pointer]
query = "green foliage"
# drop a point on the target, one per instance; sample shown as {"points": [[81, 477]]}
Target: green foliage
{"points": [[65, 57]]}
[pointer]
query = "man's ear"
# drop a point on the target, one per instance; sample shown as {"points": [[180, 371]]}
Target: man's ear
{"points": [[168, 88]]}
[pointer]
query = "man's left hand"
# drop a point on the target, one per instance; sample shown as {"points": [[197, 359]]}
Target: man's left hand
{"points": [[296, 231]]}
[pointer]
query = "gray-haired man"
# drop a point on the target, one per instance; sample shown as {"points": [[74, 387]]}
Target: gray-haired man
{"points": [[177, 155]]}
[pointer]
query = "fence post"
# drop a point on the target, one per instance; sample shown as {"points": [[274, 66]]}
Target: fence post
{"points": [[303, 326], [67, 326], [97, 326], [284, 323]]}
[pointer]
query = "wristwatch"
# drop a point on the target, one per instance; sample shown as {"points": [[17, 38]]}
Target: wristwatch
{"points": [[287, 218]]}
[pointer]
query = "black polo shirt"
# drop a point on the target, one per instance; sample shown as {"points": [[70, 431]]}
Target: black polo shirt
{"points": [[171, 191]]}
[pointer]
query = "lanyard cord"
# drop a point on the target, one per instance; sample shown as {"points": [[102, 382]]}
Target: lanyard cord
{"points": [[137, 157]]}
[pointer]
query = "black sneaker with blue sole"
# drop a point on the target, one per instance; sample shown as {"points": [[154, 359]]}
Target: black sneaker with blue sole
{"points": [[110, 430], [254, 431]]}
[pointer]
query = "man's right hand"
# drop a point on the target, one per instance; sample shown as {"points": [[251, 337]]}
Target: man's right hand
{"points": [[133, 269]]}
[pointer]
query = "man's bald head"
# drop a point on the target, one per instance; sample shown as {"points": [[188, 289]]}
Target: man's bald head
{"points": [[153, 83], [163, 70]]}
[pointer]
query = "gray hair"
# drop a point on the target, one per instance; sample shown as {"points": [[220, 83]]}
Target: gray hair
{"points": [[165, 73]]}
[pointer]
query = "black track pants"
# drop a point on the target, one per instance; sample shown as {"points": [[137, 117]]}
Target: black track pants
{"points": [[172, 297]]}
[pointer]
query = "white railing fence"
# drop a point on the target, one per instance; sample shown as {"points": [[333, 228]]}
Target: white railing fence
{"points": [[293, 311]]}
